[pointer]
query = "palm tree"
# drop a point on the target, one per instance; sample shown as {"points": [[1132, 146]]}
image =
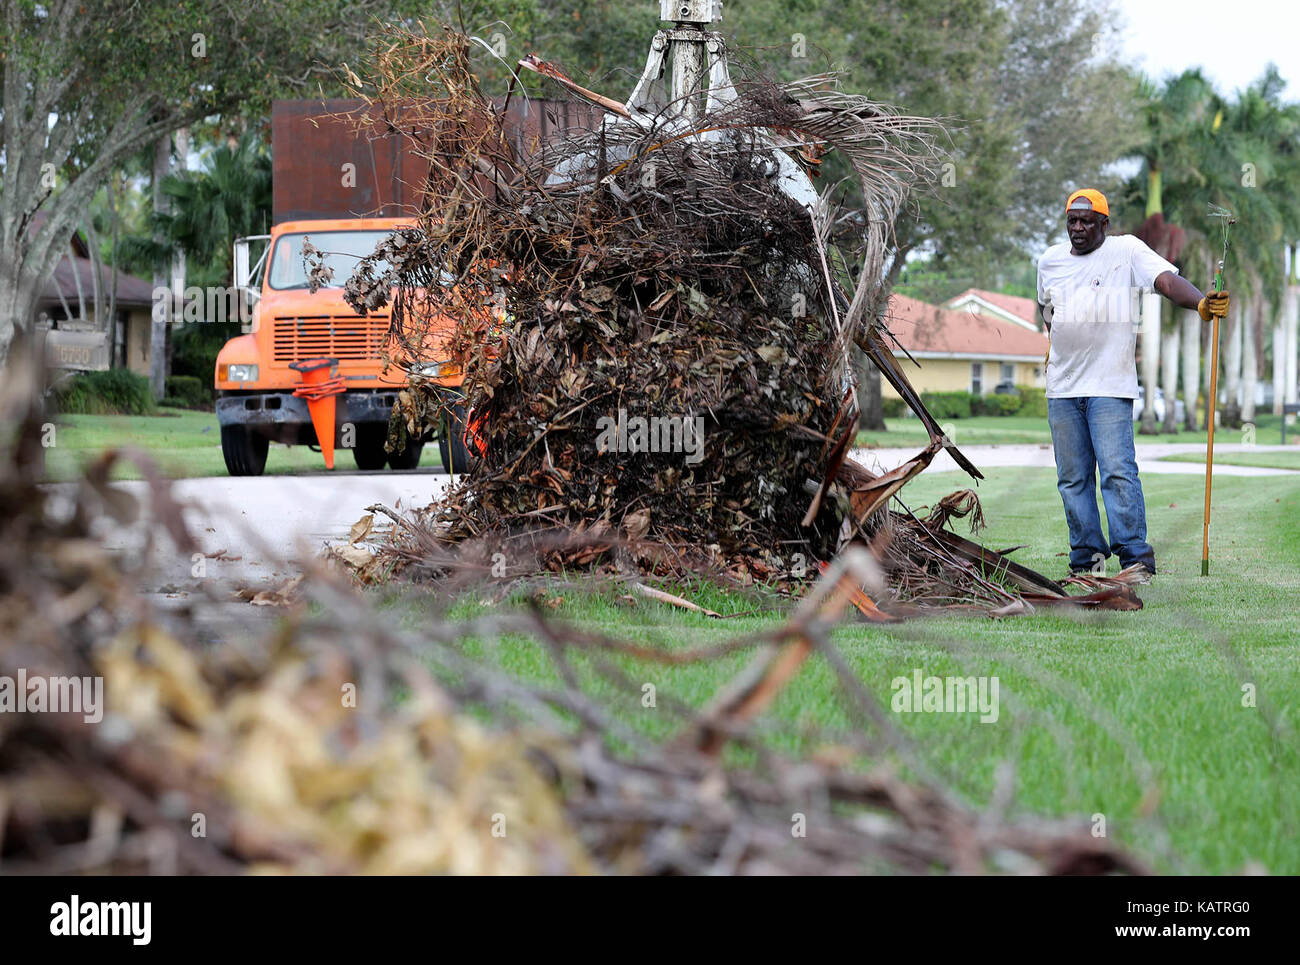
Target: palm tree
{"points": [[1290, 327], [227, 197], [1265, 134], [1245, 156], [1173, 184]]}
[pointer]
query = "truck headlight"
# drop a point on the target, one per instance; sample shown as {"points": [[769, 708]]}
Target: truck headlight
{"points": [[237, 373]]}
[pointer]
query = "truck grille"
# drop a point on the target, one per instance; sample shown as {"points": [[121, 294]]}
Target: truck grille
{"points": [[332, 336]]}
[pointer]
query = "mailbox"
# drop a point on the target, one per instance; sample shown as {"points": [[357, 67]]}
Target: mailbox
{"points": [[76, 350]]}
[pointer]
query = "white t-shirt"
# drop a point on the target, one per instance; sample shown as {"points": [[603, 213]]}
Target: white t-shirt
{"points": [[1094, 309]]}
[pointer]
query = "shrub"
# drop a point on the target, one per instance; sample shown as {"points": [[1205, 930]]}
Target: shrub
{"points": [[187, 392], [195, 348], [948, 405], [893, 407], [996, 404], [115, 392], [1033, 401]]}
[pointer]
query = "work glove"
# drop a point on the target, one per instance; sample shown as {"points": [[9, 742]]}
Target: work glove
{"points": [[1212, 305]]}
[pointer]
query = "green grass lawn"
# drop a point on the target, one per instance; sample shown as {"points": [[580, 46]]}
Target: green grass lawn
{"points": [[977, 430], [185, 443], [1267, 460], [1005, 430], [1137, 716]]}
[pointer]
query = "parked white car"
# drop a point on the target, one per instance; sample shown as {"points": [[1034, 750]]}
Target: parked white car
{"points": [[1139, 402]]}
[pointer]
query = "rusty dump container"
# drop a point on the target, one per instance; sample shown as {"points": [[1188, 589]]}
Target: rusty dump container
{"points": [[325, 168]]}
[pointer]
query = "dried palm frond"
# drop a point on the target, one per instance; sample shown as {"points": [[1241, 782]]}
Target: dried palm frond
{"points": [[338, 741]]}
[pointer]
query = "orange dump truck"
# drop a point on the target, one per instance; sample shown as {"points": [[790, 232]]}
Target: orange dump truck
{"points": [[309, 370]]}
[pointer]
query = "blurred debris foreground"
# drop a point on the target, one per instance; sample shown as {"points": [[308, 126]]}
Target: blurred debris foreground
{"points": [[342, 744], [673, 264]]}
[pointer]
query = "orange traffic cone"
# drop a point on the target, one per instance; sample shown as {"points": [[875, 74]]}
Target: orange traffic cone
{"points": [[476, 424], [320, 385]]}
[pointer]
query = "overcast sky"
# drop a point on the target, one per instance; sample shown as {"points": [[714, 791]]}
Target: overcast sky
{"points": [[1231, 40]]}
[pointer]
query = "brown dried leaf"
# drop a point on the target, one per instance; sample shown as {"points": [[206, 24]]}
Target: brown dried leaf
{"points": [[361, 528]]}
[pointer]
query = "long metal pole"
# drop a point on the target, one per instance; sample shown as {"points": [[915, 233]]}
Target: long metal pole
{"points": [[1211, 405], [1213, 401]]}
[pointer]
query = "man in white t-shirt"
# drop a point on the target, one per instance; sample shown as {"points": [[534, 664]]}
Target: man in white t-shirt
{"points": [[1088, 295]]}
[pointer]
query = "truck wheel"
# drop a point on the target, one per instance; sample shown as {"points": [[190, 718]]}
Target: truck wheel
{"points": [[451, 446], [408, 458], [244, 451], [369, 450]]}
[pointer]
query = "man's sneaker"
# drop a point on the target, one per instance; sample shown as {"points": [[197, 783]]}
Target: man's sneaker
{"points": [[1133, 573], [1136, 573]]}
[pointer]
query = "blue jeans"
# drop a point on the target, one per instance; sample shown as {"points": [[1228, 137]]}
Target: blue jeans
{"points": [[1094, 433]]}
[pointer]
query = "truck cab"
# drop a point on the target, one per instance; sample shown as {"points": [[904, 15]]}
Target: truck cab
{"points": [[262, 397]]}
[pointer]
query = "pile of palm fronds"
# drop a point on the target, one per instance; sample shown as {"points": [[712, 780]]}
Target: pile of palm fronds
{"points": [[639, 272]]}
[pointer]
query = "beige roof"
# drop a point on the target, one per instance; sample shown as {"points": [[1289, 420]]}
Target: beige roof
{"points": [[920, 327], [1024, 309]]}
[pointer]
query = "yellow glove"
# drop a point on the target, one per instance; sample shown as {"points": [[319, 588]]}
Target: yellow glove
{"points": [[1214, 303]]}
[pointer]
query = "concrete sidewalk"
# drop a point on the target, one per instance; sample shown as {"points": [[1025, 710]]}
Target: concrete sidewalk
{"points": [[1039, 455]]}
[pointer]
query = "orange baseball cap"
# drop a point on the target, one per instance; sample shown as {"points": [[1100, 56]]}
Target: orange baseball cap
{"points": [[1088, 199]]}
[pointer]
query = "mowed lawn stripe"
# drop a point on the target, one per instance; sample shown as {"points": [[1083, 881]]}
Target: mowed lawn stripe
{"points": [[1134, 716]]}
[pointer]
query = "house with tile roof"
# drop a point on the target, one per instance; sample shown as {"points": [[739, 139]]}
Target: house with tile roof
{"points": [[964, 349], [1011, 308]]}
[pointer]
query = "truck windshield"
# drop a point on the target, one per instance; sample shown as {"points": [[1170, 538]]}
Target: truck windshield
{"points": [[342, 251]]}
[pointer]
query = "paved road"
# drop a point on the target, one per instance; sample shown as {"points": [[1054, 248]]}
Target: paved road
{"points": [[1149, 456], [264, 524]]}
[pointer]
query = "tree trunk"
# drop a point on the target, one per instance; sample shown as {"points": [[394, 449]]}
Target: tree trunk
{"points": [[63, 301], [1231, 352], [1191, 367], [1279, 342], [1250, 321], [1279, 365], [1291, 325], [869, 395], [162, 156], [18, 302], [1150, 331], [869, 384], [113, 186], [1155, 202], [100, 297], [178, 256], [76, 278], [1150, 334], [1169, 358]]}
